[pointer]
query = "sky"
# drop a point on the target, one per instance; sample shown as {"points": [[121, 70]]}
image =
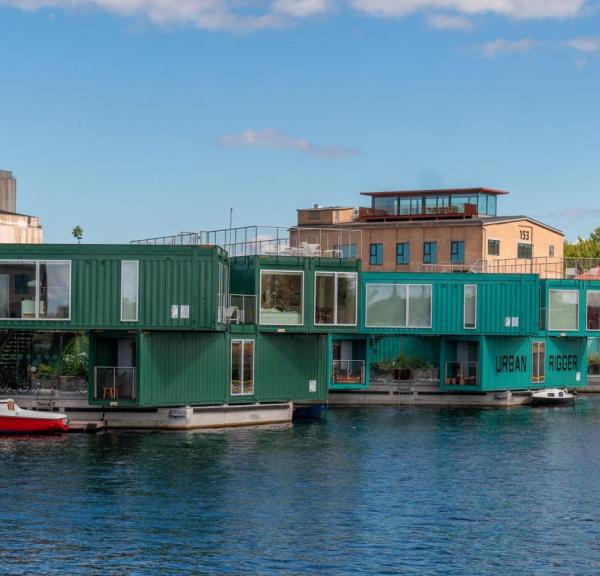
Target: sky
{"points": [[142, 118]]}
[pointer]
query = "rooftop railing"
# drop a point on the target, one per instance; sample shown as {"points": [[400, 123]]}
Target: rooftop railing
{"points": [[270, 241], [545, 267]]}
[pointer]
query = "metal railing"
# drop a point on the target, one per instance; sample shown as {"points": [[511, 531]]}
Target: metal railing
{"points": [[114, 382], [242, 309], [462, 373], [271, 241], [348, 371], [545, 267]]}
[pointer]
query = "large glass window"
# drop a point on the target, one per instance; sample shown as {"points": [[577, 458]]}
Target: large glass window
{"points": [[457, 252], [376, 255], [398, 306], [538, 373], [524, 250], [129, 291], [430, 253], [470, 306], [55, 290], [563, 313], [593, 310], [281, 298], [402, 253], [242, 367], [335, 298], [35, 290]]}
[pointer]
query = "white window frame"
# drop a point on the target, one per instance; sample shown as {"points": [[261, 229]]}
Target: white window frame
{"points": [[37, 290], [137, 300], [242, 341], [282, 273], [335, 298], [407, 305], [551, 329], [465, 327], [538, 342], [587, 296]]}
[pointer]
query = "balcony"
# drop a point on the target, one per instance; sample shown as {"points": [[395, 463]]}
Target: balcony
{"points": [[348, 372], [114, 382], [428, 213], [462, 373]]}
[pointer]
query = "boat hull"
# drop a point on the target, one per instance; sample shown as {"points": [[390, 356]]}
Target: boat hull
{"points": [[21, 425]]}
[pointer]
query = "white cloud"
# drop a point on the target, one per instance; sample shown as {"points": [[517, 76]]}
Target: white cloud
{"points": [[247, 15], [449, 22], [588, 44], [511, 8], [575, 213], [502, 46], [278, 140]]}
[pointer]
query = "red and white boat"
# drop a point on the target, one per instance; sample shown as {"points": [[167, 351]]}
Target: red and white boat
{"points": [[15, 420]]}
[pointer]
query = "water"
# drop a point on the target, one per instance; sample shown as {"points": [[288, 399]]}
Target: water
{"points": [[368, 491]]}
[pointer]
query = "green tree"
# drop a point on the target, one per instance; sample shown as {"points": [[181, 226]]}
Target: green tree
{"points": [[584, 247], [77, 233]]}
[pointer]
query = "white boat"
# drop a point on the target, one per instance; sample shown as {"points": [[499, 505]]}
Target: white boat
{"points": [[15, 420], [552, 396]]}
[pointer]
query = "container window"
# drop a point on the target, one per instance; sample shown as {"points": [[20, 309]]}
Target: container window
{"points": [[335, 298], [563, 312], [398, 306], [281, 298], [593, 310], [470, 307], [55, 290], [35, 290], [223, 293], [129, 290], [242, 367], [538, 373]]}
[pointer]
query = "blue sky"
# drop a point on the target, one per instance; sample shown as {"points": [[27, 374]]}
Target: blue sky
{"points": [[137, 118]]}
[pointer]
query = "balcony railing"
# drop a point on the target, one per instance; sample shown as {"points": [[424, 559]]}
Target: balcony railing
{"points": [[462, 373], [348, 371], [271, 241], [427, 213], [114, 382], [242, 309]]}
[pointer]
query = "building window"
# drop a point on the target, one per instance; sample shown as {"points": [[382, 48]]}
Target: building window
{"points": [[376, 255], [538, 373], [129, 290], [347, 250], [494, 247], [457, 253], [35, 290], [314, 215], [563, 313], [470, 307], [398, 306], [335, 298], [524, 250], [281, 297], [242, 367], [430, 253], [402, 253], [593, 310], [551, 251]]}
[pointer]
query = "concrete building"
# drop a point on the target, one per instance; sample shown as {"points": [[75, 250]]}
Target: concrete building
{"points": [[16, 228], [437, 231]]}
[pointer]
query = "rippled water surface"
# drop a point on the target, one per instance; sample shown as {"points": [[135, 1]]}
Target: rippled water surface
{"points": [[371, 491]]}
